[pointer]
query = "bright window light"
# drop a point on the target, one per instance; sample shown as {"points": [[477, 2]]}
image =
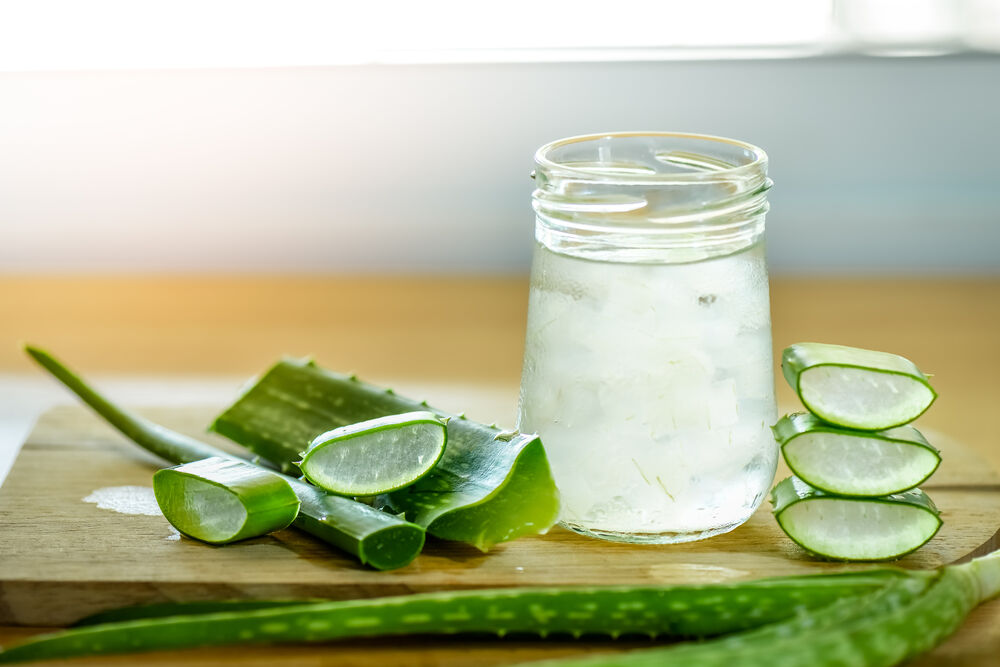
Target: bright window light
{"points": [[137, 34], [150, 34]]}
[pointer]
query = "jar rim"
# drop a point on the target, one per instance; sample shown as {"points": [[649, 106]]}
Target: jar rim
{"points": [[756, 164]]}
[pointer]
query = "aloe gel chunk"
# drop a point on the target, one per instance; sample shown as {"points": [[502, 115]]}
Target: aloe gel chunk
{"points": [[855, 463], [376, 456], [850, 528], [856, 388], [218, 500]]}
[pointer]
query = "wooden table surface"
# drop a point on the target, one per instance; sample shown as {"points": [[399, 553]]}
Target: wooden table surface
{"points": [[470, 331]]}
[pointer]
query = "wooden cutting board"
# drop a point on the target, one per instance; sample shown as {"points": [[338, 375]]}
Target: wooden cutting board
{"points": [[62, 558]]}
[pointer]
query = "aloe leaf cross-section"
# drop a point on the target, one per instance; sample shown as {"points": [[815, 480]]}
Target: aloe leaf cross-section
{"points": [[855, 463], [856, 388], [490, 485], [376, 456], [850, 528], [220, 500]]}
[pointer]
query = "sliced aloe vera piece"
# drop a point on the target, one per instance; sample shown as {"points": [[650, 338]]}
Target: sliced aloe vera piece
{"points": [[219, 500], [490, 485], [856, 388], [379, 539], [376, 456], [851, 528], [855, 463]]}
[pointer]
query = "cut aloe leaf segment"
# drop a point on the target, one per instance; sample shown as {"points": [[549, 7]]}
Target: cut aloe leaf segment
{"points": [[379, 539], [855, 388], [845, 528], [376, 456], [490, 485], [219, 500], [855, 463]]}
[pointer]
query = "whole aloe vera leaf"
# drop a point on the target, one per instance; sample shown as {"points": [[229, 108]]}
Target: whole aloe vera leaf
{"points": [[376, 538], [490, 485], [680, 612], [906, 618]]}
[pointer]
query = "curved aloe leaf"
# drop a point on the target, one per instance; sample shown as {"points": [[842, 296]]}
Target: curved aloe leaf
{"points": [[489, 486]]}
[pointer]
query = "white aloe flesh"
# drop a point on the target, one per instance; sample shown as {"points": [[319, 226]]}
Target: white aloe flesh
{"points": [[855, 463], [857, 529], [376, 456], [219, 500], [856, 388]]}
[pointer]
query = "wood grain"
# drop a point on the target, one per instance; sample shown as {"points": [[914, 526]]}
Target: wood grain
{"points": [[65, 558], [469, 345]]}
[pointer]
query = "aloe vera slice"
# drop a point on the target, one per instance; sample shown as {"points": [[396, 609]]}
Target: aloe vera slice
{"points": [[856, 388], [376, 456], [490, 485], [221, 500], [852, 528], [376, 538], [669, 611], [855, 463]]}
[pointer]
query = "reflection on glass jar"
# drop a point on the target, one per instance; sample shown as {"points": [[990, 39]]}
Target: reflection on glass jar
{"points": [[647, 366]]}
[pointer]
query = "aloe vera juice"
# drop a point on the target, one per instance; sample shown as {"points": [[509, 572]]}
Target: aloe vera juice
{"points": [[652, 387]]}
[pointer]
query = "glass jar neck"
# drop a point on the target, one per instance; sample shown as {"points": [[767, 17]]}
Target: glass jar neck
{"points": [[650, 197]]}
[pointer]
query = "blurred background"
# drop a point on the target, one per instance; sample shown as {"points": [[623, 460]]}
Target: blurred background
{"points": [[304, 136], [189, 189]]}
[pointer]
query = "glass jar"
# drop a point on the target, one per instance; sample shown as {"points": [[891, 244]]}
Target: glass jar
{"points": [[647, 364]]}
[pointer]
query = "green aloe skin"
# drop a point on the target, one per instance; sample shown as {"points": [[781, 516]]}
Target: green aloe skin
{"points": [[220, 500], [906, 521], [376, 538], [490, 485], [863, 463], [868, 619], [674, 612]]}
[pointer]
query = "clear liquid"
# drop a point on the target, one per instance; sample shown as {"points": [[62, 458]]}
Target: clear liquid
{"points": [[652, 388]]}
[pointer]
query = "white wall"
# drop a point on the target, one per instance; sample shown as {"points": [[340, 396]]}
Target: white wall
{"points": [[879, 164]]}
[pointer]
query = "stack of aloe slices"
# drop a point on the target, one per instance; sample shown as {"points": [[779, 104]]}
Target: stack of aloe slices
{"points": [[437, 473], [857, 463]]}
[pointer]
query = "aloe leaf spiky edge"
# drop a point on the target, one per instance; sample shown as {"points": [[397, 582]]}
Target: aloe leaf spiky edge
{"points": [[880, 629], [375, 538], [678, 611]]}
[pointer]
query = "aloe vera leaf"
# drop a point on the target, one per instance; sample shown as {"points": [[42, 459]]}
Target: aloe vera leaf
{"points": [[820, 636], [193, 608], [855, 463], [906, 618], [681, 611], [856, 388], [375, 538], [221, 500], [376, 456], [490, 485], [853, 528]]}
